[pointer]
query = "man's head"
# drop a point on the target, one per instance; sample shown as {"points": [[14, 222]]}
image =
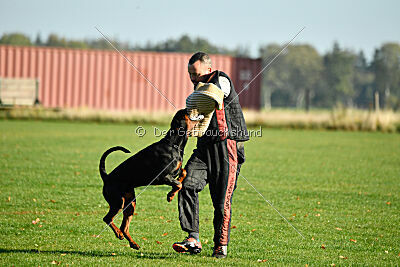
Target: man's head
{"points": [[199, 66]]}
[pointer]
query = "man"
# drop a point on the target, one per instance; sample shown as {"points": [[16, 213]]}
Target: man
{"points": [[216, 161]]}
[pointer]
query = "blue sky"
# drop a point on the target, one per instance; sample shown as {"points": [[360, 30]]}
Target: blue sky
{"points": [[354, 24]]}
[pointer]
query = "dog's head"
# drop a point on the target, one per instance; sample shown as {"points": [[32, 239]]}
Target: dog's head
{"points": [[181, 122]]}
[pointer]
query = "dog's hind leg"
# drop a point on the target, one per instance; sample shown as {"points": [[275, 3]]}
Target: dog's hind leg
{"points": [[129, 209], [108, 219]]}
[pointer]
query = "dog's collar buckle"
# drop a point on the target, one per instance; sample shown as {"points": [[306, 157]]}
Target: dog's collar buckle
{"points": [[177, 147]]}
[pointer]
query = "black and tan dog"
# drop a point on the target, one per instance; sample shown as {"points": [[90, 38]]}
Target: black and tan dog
{"points": [[161, 162]]}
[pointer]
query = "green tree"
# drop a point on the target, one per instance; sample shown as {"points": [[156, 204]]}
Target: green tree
{"points": [[386, 67], [184, 44], [15, 39], [274, 77], [54, 40], [77, 44], [339, 74], [362, 79], [304, 66], [38, 40], [187, 44], [98, 44], [292, 78]]}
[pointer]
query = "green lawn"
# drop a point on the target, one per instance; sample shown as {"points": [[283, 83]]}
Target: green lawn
{"points": [[340, 189]]}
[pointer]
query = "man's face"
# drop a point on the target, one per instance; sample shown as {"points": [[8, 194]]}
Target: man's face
{"points": [[198, 71]]}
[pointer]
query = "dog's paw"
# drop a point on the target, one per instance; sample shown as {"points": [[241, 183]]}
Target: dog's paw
{"points": [[170, 196], [134, 245], [118, 233]]}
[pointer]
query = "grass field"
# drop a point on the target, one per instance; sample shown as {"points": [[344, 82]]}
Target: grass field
{"points": [[340, 189]]}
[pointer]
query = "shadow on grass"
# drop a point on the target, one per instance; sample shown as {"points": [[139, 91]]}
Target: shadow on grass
{"points": [[139, 255]]}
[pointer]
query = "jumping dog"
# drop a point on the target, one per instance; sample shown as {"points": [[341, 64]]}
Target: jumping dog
{"points": [[156, 164]]}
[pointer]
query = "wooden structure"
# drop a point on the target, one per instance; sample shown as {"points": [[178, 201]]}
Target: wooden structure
{"points": [[17, 91]]}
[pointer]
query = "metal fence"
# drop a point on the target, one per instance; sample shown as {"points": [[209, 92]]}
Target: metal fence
{"points": [[102, 79]]}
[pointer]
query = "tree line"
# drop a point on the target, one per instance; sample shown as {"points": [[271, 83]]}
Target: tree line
{"points": [[184, 44], [299, 78]]}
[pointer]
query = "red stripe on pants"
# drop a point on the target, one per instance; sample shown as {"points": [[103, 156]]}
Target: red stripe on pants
{"points": [[232, 152], [221, 120]]}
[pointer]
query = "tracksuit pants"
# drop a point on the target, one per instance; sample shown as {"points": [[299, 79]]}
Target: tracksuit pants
{"points": [[217, 164]]}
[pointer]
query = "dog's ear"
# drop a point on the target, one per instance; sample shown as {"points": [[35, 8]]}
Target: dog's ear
{"points": [[189, 123], [179, 120]]}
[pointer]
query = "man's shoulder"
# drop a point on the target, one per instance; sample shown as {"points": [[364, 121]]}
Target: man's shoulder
{"points": [[221, 73], [224, 83]]}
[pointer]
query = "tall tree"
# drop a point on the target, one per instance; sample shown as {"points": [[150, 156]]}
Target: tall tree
{"points": [[304, 66], [293, 77], [338, 74], [362, 80], [38, 40], [386, 67], [275, 77]]}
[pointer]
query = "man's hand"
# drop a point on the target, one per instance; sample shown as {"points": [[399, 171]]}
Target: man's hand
{"points": [[197, 117]]}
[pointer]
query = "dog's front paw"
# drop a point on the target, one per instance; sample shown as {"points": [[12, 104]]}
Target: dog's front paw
{"points": [[121, 237], [118, 233], [170, 196]]}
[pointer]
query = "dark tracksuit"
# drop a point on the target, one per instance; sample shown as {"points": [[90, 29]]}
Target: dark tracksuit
{"points": [[216, 160]]}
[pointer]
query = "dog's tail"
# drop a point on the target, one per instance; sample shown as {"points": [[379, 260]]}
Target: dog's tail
{"points": [[102, 166]]}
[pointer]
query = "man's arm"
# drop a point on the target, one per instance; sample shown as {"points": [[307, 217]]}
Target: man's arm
{"points": [[225, 85]]}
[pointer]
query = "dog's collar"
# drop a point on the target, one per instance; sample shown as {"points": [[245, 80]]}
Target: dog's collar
{"points": [[177, 147]]}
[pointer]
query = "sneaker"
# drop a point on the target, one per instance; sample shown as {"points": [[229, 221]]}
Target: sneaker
{"points": [[220, 251], [190, 245]]}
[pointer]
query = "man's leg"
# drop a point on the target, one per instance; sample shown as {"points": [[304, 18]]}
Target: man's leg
{"points": [[222, 184], [188, 204]]}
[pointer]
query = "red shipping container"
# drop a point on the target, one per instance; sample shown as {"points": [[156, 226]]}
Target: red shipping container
{"points": [[102, 79]]}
